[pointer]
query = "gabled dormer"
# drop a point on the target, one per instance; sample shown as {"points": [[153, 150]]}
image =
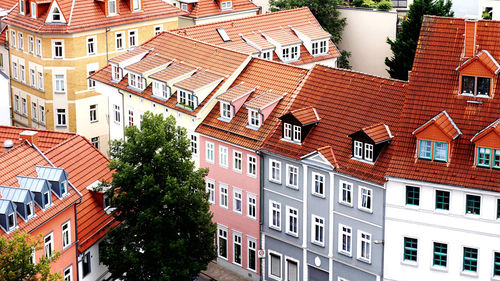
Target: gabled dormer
{"points": [[41, 188], [255, 40], [487, 146], [297, 124], [187, 5], [119, 63], [23, 198], [435, 138], [164, 79], [138, 73], [225, 5], [287, 45], [314, 37], [192, 91], [57, 177], [232, 100], [323, 156], [136, 5], [478, 75], [55, 14], [8, 218], [368, 143], [260, 107], [22, 7]]}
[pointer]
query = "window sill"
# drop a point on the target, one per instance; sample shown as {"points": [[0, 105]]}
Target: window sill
{"points": [[59, 93], [238, 212], [347, 254], [318, 244], [61, 126], [224, 207], [370, 211], [275, 228], [222, 166], [224, 119], [224, 258], [294, 187], [319, 195], [238, 171], [292, 234], [95, 121], [364, 260], [209, 162], [345, 203], [409, 263], [439, 268], [469, 273], [252, 218], [58, 58], [252, 175], [275, 181]]}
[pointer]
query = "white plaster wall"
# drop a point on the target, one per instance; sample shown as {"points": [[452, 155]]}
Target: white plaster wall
{"points": [[365, 36], [264, 4], [99, 128], [5, 106], [98, 271], [113, 97], [495, 4], [428, 225], [463, 8]]}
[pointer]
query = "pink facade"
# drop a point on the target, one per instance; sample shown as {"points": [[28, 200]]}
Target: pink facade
{"points": [[240, 219]]}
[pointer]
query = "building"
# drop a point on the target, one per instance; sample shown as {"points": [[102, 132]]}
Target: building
{"points": [[83, 213], [476, 8], [230, 137], [291, 36], [324, 178], [172, 75], [55, 45], [208, 11], [5, 103], [442, 198]]}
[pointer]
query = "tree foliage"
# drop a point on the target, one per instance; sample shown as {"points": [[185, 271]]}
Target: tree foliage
{"points": [[405, 45], [15, 259], [166, 230]]}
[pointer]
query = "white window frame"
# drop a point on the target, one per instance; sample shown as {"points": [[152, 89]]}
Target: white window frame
{"points": [[341, 235], [313, 184], [133, 37], [224, 229], [34, 110], [362, 240], [289, 173], [274, 207], [15, 70], [184, 6], [91, 45], [237, 195], [38, 43], [33, 10], [287, 131], [40, 80], [279, 278], [278, 169], [290, 215], [20, 39], [210, 152], [226, 5], [24, 106], [368, 153], [13, 39], [358, 149], [223, 156], [32, 78], [193, 143], [267, 55], [68, 273], [55, 51], [253, 118], [42, 113], [251, 166], [95, 142], [158, 29], [237, 158], [64, 116], [237, 235], [254, 248], [341, 189], [223, 195], [31, 44], [59, 83], [297, 132], [251, 205], [225, 110], [22, 7], [117, 114], [50, 244], [66, 234], [360, 199], [112, 12], [119, 37], [287, 265], [136, 5], [314, 227], [22, 71]]}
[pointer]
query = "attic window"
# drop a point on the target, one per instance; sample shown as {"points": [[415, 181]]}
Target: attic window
{"points": [[184, 6], [22, 8], [363, 150], [223, 34], [29, 209], [136, 5], [111, 7], [33, 10], [227, 5], [476, 86], [225, 110], [12, 221], [253, 118], [488, 157], [46, 199], [319, 48], [433, 150], [56, 15]]}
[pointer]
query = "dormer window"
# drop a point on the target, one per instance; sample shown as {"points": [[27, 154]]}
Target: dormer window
{"points": [[56, 15], [29, 209], [136, 81], [33, 10], [488, 157], [487, 146], [11, 221], [225, 110], [368, 143], [64, 187], [362, 150], [320, 48], [267, 55], [296, 133], [161, 89], [476, 86], [46, 199], [290, 53], [253, 118], [433, 150], [116, 73], [136, 5], [184, 6], [186, 99], [287, 131], [226, 5], [112, 7], [22, 7]]}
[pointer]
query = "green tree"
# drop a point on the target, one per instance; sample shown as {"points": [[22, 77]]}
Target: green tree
{"points": [[166, 230], [405, 45], [16, 259]]}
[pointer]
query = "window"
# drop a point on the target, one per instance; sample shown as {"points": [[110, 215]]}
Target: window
{"points": [[117, 113], [60, 83], [132, 38], [11, 221], [91, 45], [425, 149], [237, 161], [275, 265], [253, 118], [223, 195], [225, 110], [365, 199], [184, 6], [95, 142], [275, 171], [315, 48], [16, 103], [442, 200], [323, 47], [227, 5], [252, 251], [292, 176], [23, 73], [21, 41], [13, 39], [209, 152], [252, 166], [158, 29], [364, 246], [275, 215], [318, 230], [57, 49], [440, 254], [358, 149], [296, 133], [33, 10], [292, 270], [29, 209], [237, 248], [31, 44], [496, 264], [32, 78], [287, 131], [93, 113], [410, 249], [38, 47], [34, 110], [345, 239], [440, 151], [267, 55], [412, 195], [483, 86], [23, 106], [112, 7], [68, 275], [345, 193], [22, 8], [61, 117], [473, 204], [368, 151], [119, 40], [48, 245], [40, 80], [223, 156], [483, 157], [294, 53], [237, 200], [210, 188], [469, 84], [42, 114], [194, 144], [498, 208], [91, 82], [14, 70], [251, 206], [286, 54], [66, 234], [56, 15], [136, 5], [470, 259], [292, 221], [222, 241], [86, 264], [318, 184], [496, 159]]}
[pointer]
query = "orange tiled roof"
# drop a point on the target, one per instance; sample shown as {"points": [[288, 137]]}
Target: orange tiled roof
{"points": [[199, 80], [434, 87], [8, 4], [306, 115], [264, 100], [265, 75], [236, 92], [249, 27], [46, 139], [312, 31], [327, 152], [149, 63], [82, 15], [173, 71], [444, 122], [346, 101], [138, 51], [191, 52], [208, 8], [486, 59], [282, 36], [492, 127], [379, 132], [3, 37]]}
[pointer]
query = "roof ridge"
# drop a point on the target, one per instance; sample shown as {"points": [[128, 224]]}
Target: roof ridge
{"points": [[362, 73], [38, 130]]}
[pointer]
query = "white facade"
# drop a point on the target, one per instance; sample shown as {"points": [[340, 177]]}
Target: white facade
{"points": [[97, 271], [430, 225]]}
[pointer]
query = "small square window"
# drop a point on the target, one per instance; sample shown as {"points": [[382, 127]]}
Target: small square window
{"points": [[412, 195], [440, 151], [473, 204], [425, 149], [483, 157], [442, 200], [345, 193], [468, 84]]}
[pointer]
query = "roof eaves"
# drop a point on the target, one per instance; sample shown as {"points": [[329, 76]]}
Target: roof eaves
{"points": [[492, 125]]}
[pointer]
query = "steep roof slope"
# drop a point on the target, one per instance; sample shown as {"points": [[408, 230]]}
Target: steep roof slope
{"points": [[46, 139], [207, 8]]}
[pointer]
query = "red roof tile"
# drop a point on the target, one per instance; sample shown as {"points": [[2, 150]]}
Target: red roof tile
{"points": [[345, 101], [492, 127], [282, 36], [444, 122], [46, 139], [306, 115], [236, 92], [8, 4], [264, 100], [378, 133], [327, 152], [199, 80], [312, 31], [208, 8], [434, 87]]}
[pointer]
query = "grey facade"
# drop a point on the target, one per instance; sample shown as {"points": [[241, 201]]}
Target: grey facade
{"points": [[317, 248]]}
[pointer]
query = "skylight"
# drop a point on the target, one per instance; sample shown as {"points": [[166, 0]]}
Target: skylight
{"points": [[223, 34]]}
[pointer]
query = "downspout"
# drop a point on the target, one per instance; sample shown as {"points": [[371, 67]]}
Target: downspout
{"points": [[107, 57], [261, 204]]}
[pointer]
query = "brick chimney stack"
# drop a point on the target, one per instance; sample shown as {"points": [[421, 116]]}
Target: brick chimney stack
{"points": [[470, 38], [31, 136]]}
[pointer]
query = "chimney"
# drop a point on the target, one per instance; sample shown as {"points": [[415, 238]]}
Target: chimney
{"points": [[470, 37], [8, 144], [31, 136]]}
